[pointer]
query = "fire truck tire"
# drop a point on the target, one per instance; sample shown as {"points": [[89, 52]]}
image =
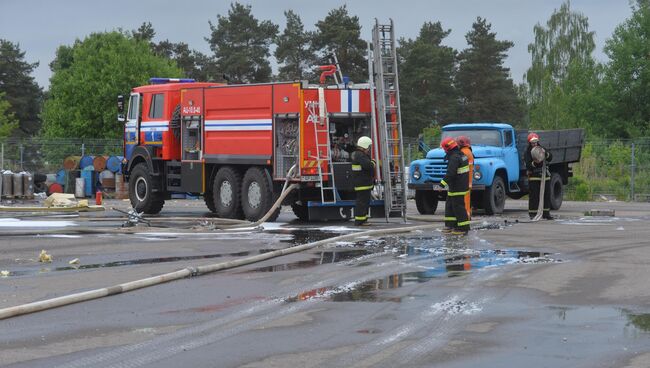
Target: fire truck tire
{"points": [[257, 195], [426, 202], [140, 191], [226, 193], [209, 201], [300, 210]]}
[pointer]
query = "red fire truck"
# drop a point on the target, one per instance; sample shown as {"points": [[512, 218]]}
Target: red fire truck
{"points": [[235, 144]]}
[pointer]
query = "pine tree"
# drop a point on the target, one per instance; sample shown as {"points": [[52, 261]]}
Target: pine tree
{"points": [[427, 71], [21, 91], [293, 51], [340, 33], [241, 44], [486, 90]]}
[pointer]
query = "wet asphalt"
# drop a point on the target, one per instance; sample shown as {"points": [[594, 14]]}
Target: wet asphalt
{"points": [[570, 292]]}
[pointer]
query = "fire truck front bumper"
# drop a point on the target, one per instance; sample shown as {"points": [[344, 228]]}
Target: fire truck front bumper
{"points": [[436, 187]]}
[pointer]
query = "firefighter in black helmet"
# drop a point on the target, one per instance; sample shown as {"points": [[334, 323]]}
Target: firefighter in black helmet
{"points": [[534, 167], [363, 168]]}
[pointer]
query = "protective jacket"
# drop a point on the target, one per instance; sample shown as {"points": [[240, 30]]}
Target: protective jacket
{"points": [[533, 168], [362, 171], [457, 176]]}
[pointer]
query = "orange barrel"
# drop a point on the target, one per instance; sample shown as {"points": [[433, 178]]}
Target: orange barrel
{"points": [[99, 163], [121, 191], [71, 162]]}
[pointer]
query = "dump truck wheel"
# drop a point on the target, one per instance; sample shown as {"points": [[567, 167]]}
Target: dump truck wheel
{"points": [[557, 191], [142, 198], [494, 197], [226, 193], [426, 202]]}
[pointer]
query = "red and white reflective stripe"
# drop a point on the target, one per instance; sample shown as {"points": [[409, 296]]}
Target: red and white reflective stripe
{"points": [[154, 126], [349, 100], [238, 124]]}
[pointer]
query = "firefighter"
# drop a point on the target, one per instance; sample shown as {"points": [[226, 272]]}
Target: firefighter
{"points": [[534, 170], [363, 168], [457, 182], [466, 148]]}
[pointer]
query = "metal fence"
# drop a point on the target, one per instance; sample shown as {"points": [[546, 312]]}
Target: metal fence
{"points": [[608, 169], [47, 155]]}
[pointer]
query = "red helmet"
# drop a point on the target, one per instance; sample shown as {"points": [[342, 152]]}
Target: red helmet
{"points": [[533, 137], [464, 141], [448, 144]]}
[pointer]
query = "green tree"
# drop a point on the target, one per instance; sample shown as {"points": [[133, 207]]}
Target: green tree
{"points": [[8, 122], [293, 51], [563, 82], [627, 80], [194, 64], [241, 45], [486, 90], [427, 70], [341, 33], [89, 75], [21, 91]]}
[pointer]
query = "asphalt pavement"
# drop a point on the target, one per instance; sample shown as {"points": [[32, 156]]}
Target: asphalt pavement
{"points": [[569, 292]]}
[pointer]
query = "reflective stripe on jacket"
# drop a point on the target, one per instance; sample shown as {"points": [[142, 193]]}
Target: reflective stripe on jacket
{"points": [[362, 171]]}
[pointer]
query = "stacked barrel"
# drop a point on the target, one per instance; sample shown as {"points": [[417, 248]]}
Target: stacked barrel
{"points": [[85, 175]]}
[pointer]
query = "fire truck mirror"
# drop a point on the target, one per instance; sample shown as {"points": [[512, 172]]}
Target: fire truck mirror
{"points": [[120, 109]]}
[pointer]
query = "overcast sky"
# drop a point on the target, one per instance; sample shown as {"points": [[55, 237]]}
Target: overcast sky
{"points": [[40, 26]]}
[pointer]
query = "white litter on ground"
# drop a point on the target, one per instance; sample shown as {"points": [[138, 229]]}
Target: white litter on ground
{"points": [[17, 223]]}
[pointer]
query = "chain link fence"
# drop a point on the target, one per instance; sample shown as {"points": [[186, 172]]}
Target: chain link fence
{"points": [[39, 155], [608, 169]]}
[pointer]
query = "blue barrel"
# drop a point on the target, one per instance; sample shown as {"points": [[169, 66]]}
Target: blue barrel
{"points": [[86, 161], [88, 175], [114, 164], [60, 177]]}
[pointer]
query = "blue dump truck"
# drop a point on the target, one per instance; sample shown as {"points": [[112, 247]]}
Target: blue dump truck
{"points": [[499, 169]]}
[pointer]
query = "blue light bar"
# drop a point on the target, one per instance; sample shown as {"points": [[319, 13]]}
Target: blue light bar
{"points": [[170, 80]]}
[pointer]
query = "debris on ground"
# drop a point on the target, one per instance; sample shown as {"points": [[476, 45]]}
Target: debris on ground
{"points": [[4, 273], [74, 261], [609, 213], [44, 257]]}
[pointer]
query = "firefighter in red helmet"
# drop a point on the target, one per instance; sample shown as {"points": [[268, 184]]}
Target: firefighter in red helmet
{"points": [[466, 148], [534, 158], [457, 182]]}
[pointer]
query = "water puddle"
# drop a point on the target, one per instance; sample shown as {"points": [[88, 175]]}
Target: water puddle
{"points": [[331, 256], [435, 262]]}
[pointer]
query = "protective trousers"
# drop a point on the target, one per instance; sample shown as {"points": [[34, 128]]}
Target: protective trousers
{"points": [[455, 213], [533, 196], [361, 206]]}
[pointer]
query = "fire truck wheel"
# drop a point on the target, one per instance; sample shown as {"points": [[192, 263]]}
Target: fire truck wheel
{"points": [[226, 193], [140, 194], [209, 201], [257, 195], [300, 210]]}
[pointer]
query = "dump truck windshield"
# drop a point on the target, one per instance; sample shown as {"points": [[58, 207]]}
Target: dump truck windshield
{"points": [[478, 137]]}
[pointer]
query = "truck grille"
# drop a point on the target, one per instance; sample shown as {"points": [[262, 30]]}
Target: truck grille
{"points": [[435, 169]]}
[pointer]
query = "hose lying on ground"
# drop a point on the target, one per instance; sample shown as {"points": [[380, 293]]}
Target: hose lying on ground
{"points": [[186, 272]]}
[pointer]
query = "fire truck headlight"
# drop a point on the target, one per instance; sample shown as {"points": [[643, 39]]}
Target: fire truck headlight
{"points": [[477, 175]]}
